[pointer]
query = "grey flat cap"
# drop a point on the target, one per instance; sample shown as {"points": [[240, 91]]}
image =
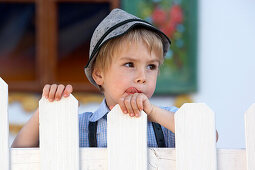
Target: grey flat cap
{"points": [[117, 23]]}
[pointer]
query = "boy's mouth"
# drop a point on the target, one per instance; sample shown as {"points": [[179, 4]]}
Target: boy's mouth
{"points": [[132, 90]]}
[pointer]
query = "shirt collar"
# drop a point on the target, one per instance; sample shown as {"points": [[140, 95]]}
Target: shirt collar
{"points": [[101, 111]]}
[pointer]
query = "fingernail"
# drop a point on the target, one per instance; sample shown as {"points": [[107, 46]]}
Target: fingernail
{"points": [[125, 111], [132, 114], [137, 115]]}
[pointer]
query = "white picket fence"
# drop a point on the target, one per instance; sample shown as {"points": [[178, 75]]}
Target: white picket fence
{"points": [[127, 142]]}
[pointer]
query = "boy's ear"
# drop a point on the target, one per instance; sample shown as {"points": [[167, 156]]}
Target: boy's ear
{"points": [[97, 75]]}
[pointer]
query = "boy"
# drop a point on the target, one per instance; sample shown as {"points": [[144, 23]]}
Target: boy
{"points": [[125, 55]]}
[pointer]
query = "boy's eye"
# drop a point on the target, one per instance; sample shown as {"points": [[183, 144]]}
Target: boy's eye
{"points": [[151, 67], [129, 64]]}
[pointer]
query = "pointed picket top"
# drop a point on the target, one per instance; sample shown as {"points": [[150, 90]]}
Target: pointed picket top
{"points": [[4, 126], [126, 140], [59, 134], [250, 136], [195, 137]]}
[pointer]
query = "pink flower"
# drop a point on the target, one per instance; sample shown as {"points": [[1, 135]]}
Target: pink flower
{"points": [[176, 14], [169, 28], [159, 16]]}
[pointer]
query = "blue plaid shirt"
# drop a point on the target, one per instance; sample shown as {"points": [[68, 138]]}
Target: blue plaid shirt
{"points": [[100, 115]]}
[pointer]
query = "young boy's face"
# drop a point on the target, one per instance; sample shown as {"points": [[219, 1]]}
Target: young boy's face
{"points": [[134, 69]]}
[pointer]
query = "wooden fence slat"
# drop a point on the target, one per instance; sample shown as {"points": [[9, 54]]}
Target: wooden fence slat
{"points": [[195, 137], [59, 134], [250, 137], [96, 159], [126, 141], [4, 126]]}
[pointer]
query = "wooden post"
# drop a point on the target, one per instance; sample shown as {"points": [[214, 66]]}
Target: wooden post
{"points": [[4, 127], [126, 141], [195, 137], [250, 137], [59, 134]]}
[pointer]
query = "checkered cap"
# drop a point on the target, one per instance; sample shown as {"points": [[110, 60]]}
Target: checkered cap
{"points": [[117, 23]]}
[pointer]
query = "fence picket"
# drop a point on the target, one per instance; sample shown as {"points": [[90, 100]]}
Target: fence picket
{"points": [[4, 126], [195, 137], [250, 137], [59, 134], [126, 141]]}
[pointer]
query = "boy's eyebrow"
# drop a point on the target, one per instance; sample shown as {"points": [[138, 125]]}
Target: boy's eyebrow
{"points": [[127, 58], [134, 59]]}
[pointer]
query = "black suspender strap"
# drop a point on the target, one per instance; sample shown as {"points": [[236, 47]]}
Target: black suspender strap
{"points": [[156, 127], [93, 134], [159, 135]]}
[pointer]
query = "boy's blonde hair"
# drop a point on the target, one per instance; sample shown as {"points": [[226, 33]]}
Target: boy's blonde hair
{"points": [[109, 50]]}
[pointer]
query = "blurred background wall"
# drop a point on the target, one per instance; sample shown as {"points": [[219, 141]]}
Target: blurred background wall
{"points": [[227, 65], [225, 68]]}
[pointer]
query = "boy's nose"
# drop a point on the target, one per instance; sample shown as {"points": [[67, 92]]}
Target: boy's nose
{"points": [[141, 78], [141, 81]]}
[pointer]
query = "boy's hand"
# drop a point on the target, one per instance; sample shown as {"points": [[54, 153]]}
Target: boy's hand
{"points": [[133, 104], [55, 92]]}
